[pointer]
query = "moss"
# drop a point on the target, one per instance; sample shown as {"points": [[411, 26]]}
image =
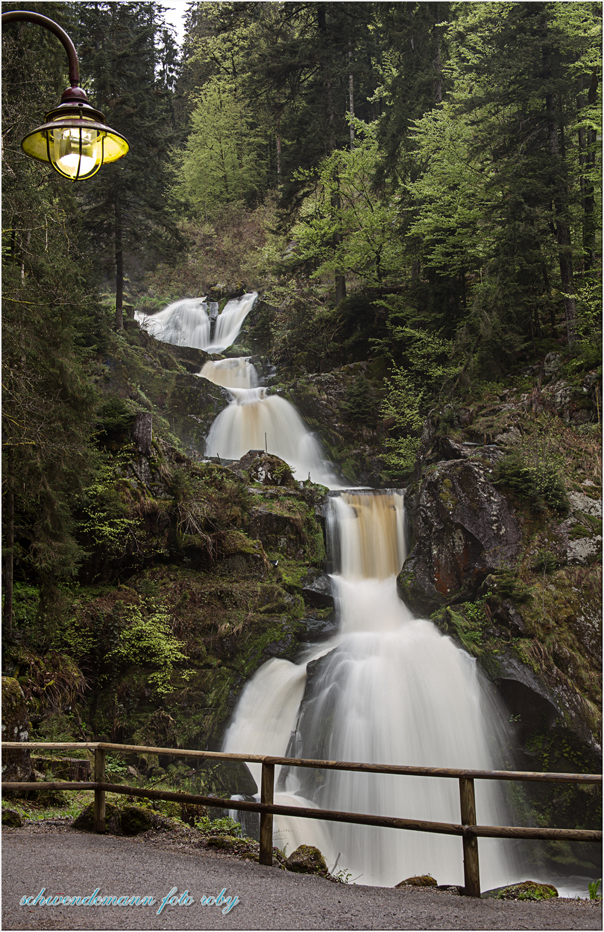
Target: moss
{"points": [[528, 890]]}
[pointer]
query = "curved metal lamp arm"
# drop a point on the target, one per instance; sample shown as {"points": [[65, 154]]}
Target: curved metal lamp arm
{"points": [[29, 17]]}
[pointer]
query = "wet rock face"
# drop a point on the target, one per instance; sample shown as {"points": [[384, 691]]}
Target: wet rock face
{"points": [[464, 530], [16, 765]]}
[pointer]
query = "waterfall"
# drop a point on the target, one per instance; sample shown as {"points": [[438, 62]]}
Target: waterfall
{"points": [[230, 373], [255, 420], [388, 688], [189, 323]]}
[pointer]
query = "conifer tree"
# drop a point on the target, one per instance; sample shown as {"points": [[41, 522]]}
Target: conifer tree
{"points": [[130, 60]]}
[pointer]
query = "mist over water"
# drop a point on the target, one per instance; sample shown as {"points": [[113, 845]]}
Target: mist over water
{"points": [[388, 688]]}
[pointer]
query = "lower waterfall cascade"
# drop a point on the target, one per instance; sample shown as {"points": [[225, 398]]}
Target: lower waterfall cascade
{"points": [[387, 688]]}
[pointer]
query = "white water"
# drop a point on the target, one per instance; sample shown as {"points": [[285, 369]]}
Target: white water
{"points": [[255, 420], [230, 373], [390, 689], [187, 323]]}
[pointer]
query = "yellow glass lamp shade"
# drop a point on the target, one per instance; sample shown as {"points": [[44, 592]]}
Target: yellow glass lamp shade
{"points": [[75, 140]]}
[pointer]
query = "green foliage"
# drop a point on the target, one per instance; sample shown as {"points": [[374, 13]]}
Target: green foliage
{"points": [[147, 641], [105, 519], [541, 485], [221, 163], [412, 387], [224, 826], [358, 404], [114, 415], [594, 888], [544, 562]]}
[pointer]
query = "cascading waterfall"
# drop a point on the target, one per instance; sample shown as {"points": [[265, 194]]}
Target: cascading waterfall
{"points": [[255, 420], [230, 373], [189, 322], [388, 688]]}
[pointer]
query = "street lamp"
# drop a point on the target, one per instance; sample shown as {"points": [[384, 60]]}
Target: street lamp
{"points": [[75, 138]]}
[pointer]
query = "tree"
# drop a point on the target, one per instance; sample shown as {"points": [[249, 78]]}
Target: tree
{"points": [[500, 192], [50, 325], [129, 57]]}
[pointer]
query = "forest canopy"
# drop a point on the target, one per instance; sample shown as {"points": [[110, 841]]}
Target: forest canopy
{"points": [[417, 184]]}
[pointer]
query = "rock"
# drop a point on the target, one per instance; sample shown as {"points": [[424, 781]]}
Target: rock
{"points": [[249, 821], [264, 468], [527, 890], [306, 859], [16, 765], [464, 530], [136, 820], [142, 433], [190, 813], [579, 502], [227, 778], [131, 820], [551, 364], [280, 532], [11, 818], [84, 822], [319, 629], [507, 615], [425, 880], [583, 551], [317, 591]]}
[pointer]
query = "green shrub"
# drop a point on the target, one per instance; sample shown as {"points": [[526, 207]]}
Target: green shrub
{"points": [[541, 485]]}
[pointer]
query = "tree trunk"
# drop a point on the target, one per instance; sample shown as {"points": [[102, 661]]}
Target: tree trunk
{"points": [[351, 98], [119, 267], [279, 150], [8, 554], [588, 158], [562, 228]]}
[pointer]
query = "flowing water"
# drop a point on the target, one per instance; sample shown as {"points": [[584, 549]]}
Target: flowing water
{"points": [[255, 420], [230, 373], [189, 322], [388, 688]]}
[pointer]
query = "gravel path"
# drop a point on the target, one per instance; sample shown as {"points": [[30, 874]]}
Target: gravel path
{"points": [[68, 863]]}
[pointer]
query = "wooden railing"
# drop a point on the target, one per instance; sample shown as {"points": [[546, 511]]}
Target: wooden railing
{"points": [[468, 828]]}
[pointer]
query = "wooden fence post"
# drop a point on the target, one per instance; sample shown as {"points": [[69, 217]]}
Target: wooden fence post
{"points": [[266, 818], [470, 842], [99, 795]]}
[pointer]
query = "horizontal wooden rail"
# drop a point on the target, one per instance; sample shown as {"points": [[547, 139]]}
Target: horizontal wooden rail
{"points": [[468, 830], [329, 815], [523, 775]]}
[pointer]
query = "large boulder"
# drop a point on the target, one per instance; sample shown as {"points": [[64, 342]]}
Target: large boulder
{"points": [[16, 765], [464, 529]]}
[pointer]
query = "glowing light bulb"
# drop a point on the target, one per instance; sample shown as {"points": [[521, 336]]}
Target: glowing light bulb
{"points": [[76, 152]]}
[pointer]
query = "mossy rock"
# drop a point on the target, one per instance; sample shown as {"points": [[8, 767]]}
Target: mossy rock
{"points": [[113, 819], [136, 820], [11, 818], [527, 890], [306, 859], [423, 880], [221, 841]]}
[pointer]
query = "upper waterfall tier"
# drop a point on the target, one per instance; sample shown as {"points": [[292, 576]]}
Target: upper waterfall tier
{"points": [[189, 323]]}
